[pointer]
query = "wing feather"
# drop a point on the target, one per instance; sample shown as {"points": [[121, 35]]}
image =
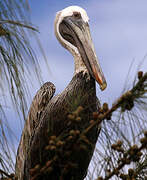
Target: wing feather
{"points": [[38, 106]]}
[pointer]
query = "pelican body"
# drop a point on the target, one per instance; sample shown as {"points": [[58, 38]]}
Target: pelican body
{"points": [[49, 115]]}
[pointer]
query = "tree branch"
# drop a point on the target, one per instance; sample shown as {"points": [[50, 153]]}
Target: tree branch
{"points": [[103, 113], [129, 95]]}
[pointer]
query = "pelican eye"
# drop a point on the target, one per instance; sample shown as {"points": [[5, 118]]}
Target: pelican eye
{"points": [[77, 15]]}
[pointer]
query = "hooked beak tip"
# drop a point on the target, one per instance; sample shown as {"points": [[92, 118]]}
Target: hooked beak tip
{"points": [[103, 86], [99, 77]]}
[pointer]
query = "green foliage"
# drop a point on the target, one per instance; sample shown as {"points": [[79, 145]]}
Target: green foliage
{"points": [[16, 58]]}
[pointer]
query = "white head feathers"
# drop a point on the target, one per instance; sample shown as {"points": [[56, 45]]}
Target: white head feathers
{"points": [[69, 12]]}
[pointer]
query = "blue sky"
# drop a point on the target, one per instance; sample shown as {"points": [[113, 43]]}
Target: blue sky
{"points": [[119, 33]]}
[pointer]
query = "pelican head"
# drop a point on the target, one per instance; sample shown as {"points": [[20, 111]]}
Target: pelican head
{"points": [[72, 31]]}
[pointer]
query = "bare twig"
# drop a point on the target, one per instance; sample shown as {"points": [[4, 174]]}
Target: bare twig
{"points": [[4, 173]]}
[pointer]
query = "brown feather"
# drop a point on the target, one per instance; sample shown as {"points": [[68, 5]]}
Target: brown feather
{"points": [[39, 103], [79, 92]]}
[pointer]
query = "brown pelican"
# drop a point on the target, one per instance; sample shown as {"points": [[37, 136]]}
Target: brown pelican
{"points": [[48, 115]]}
